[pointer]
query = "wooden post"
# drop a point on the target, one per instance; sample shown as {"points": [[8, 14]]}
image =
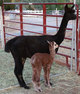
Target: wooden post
{"points": [[1, 28]]}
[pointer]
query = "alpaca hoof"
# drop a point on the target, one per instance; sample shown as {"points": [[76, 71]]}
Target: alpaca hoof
{"points": [[48, 85], [25, 86], [38, 90], [51, 84]]}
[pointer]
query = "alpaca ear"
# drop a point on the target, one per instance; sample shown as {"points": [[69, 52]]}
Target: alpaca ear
{"points": [[66, 6], [48, 42], [73, 6], [53, 42]]}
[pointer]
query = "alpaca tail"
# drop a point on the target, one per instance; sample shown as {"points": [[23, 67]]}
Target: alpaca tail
{"points": [[9, 44]]}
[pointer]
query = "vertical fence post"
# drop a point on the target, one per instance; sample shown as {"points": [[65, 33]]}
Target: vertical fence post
{"points": [[72, 44], [21, 19], [1, 28], [3, 25], [75, 37], [79, 48], [44, 19], [56, 19]]}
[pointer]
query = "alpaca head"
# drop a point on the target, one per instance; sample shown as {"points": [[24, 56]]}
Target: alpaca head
{"points": [[52, 45], [70, 13]]}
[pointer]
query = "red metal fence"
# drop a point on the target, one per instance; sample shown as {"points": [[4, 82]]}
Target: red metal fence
{"points": [[44, 15], [78, 62]]}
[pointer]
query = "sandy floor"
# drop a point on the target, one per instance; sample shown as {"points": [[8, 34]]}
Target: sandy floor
{"points": [[64, 81], [68, 83]]}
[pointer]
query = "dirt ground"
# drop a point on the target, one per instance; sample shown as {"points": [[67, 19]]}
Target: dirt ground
{"points": [[64, 81], [68, 83]]}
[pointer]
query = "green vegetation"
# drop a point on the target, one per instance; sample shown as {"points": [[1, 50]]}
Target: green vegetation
{"points": [[49, 7], [7, 7], [1, 2]]}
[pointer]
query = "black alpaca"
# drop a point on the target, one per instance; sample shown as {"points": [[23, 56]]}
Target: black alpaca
{"points": [[23, 47]]}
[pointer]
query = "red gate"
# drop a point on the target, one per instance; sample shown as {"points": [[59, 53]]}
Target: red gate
{"points": [[44, 25], [78, 64]]}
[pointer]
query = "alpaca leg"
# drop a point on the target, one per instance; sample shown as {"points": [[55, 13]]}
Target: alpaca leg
{"points": [[18, 72], [48, 73], [36, 79], [19, 65], [45, 75]]}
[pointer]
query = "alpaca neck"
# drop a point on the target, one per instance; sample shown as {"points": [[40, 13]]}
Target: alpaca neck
{"points": [[61, 32], [52, 54]]}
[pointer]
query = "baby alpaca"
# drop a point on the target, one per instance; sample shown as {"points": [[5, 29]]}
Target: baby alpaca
{"points": [[44, 60]]}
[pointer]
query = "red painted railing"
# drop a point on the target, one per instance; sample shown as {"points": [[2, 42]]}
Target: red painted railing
{"points": [[44, 15], [78, 55]]}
